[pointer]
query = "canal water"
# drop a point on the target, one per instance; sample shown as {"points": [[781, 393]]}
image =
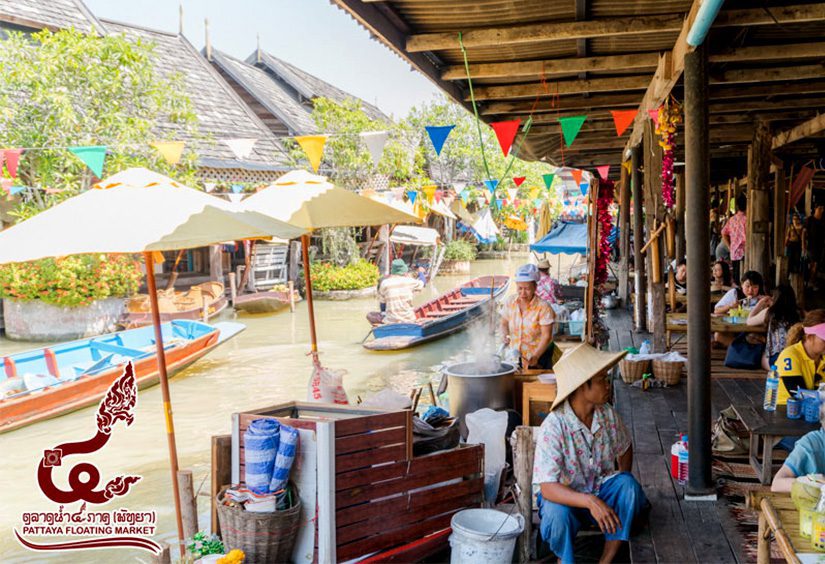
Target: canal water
{"points": [[263, 366]]}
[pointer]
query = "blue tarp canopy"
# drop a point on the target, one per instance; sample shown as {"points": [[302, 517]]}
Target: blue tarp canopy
{"points": [[566, 238]]}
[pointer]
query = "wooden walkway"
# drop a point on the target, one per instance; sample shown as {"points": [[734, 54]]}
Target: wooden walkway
{"points": [[678, 530]]}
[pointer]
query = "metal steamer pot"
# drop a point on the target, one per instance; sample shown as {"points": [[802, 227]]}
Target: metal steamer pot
{"points": [[470, 391]]}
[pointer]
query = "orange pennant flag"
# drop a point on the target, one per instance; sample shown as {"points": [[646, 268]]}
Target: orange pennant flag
{"points": [[622, 119], [313, 146], [577, 175]]}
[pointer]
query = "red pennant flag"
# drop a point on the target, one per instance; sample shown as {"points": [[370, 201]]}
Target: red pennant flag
{"points": [[519, 180], [506, 133], [654, 115], [5, 184], [438, 195], [604, 170], [622, 119], [12, 157], [577, 175]]}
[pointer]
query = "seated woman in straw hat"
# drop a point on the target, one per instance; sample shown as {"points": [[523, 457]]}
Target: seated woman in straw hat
{"points": [[583, 458], [527, 321]]}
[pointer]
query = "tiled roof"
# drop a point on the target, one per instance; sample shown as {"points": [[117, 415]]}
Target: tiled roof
{"points": [[52, 14], [307, 85], [270, 93], [221, 113]]}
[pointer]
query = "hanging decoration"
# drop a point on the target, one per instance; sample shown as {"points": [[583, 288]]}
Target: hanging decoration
{"points": [[411, 196], [570, 127], [171, 151], [439, 195], [209, 186], [375, 141], [519, 180], [654, 115], [242, 148], [605, 222], [584, 186], [622, 119], [512, 192], [313, 146], [438, 134], [670, 116], [92, 156], [12, 158], [491, 185], [627, 166], [548, 180], [429, 192], [506, 133], [237, 188], [603, 171], [577, 175]]}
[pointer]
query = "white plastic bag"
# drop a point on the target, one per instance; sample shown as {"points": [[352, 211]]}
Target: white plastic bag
{"points": [[489, 427], [327, 386]]}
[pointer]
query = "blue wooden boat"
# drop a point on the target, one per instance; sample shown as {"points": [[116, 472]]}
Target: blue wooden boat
{"points": [[442, 316], [50, 381]]}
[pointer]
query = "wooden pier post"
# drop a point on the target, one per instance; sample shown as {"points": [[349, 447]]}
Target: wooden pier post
{"points": [[759, 164], [639, 283], [655, 217], [233, 289], [779, 217], [523, 453], [291, 290], [188, 504], [624, 235]]}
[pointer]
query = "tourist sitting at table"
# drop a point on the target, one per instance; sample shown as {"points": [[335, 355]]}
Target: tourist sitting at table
{"points": [[807, 457], [527, 321], [801, 364], [396, 291], [779, 312], [547, 287], [583, 459], [747, 296], [721, 279], [680, 275]]}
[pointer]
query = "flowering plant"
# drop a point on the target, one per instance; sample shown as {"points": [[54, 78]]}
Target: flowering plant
{"points": [[605, 219], [355, 276], [71, 281], [670, 115]]}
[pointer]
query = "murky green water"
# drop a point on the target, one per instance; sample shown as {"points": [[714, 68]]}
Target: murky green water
{"points": [[264, 365]]}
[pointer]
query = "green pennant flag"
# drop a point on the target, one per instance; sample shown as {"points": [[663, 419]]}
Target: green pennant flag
{"points": [[570, 127], [548, 180], [92, 156]]}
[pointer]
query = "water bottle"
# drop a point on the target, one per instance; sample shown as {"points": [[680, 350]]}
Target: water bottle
{"points": [[679, 459], [771, 390], [645, 348]]}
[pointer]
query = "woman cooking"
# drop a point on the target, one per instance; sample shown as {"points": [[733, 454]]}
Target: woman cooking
{"points": [[527, 321]]}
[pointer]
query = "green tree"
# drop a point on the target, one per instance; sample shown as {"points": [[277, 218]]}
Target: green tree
{"points": [[67, 89]]}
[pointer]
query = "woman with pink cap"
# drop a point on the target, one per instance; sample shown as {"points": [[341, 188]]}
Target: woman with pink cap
{"points": [[801, 364]]}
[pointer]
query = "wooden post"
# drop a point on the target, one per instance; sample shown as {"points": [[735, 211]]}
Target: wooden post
{"points": [[204, 308], [215, 263], [655, 216], [294, 256], [221, 474], [639, 284], [763, 541], [291, 290], [165, 556], [233, 289], [593, 246], [188, 504], [779, 217], [523, 453], [681, 247], [384, 262], [759, 163], [624, 234], [697, 227]]}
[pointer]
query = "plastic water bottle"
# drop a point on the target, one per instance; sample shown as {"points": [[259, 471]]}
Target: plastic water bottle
{"points": [[679, 459], [771, 390], [683, 464], [645, 348]]}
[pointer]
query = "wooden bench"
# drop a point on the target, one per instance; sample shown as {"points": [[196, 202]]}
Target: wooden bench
{"points": [[769, 426], [778, 517]]}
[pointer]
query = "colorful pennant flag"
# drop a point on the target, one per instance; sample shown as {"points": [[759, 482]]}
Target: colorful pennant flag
{"points": [[438, 134], [506, 133], [499, 203], [16, 190], [429, 192], [512, 192], [313, 146], [548, 180], [92, 156], [577, 175], [537, 202], [583, 187], [519, 180], [12, 158], [171, 151], [235, 198], [570, 127], [411, 196], [627, 166], [654, 115], [622, 119], [534, 192], [209, 186], [481, 201], [375, 141], [464, 195], [491, 185], [237, 188], [439, 195], [604, 170], [5, 184], [242, 148]]}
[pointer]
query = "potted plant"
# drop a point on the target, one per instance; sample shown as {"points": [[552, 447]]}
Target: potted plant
{"points": [[458, 255], [333, 282]]}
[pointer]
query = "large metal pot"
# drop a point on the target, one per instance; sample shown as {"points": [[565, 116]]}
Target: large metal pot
{"points": [[470, 391]]}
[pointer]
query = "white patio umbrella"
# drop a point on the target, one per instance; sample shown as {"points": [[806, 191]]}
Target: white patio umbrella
{"points": [[312, 202], [138, 211]]}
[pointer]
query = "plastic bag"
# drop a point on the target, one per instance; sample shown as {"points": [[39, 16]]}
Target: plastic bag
{"points": [[327, 386], [489, 427]]}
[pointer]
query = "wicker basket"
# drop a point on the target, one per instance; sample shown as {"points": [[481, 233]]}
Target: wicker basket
{"points": [[670, 372], [633, 370], [264, 537]]}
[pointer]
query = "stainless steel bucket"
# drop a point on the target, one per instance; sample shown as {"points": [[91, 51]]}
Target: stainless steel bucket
{"points": [[470, 391]]}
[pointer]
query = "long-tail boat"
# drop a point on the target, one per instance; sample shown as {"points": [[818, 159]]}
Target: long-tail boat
{"points": [[268, 301], [200, 302], [442, 316], [51, 381]]}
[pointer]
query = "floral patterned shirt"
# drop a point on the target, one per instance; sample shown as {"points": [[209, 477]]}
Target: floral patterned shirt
{"points": [[525, 328], [735, 229], [569, 453], [546, 289]]}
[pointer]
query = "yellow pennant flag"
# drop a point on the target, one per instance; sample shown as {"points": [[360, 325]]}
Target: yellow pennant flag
{"points": [[429, 192], [627, 166], [534, 192], [171, 151], [313, 146]]}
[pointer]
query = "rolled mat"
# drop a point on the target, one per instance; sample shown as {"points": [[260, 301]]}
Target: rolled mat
{"points": [[286, 456], [261, 441]]}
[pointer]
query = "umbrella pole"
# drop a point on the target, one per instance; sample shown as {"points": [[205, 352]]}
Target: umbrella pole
{"points": [[312, 335], [164, 388]]}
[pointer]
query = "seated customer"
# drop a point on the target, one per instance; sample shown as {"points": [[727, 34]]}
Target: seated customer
{"points": [[527, 321], [807, 457], [752, 289], [801, 364], [681, 277], [583, 458], [779, 312], [721, 279]]}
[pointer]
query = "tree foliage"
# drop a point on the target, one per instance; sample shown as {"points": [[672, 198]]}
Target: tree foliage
{"points": [[68, 89]]}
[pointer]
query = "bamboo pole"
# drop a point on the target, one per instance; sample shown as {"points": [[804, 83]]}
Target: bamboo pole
{"points": [[189, 505], [310, 307], [233, 289], [653, 237], [163, 377]]}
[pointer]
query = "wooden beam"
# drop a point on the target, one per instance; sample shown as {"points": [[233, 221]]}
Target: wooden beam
{"points": [[611, 101], [613, 27], [814, 125], [778, 74], [721, 92], [733, 106], [770, 53], [551, 67], [562, 87]]}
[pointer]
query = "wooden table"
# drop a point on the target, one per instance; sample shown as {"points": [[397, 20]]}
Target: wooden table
{"points": [[536, 400], [769, 426], [779, 518], [677, 323]]}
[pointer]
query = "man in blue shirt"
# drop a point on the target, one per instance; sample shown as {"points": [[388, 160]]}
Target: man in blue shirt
{"points": [[807, 457]]}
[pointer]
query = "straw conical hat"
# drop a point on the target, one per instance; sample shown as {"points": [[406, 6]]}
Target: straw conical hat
{"points": [[578, 366]]}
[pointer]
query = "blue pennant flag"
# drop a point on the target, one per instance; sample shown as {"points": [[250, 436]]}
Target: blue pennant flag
{"points": [[499, 203], [438, 134], [491, 185], [237, 188], [16, 190], [583, 186], [412, 194]]}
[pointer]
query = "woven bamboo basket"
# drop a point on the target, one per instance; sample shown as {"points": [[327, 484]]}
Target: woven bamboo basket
{"points": [[670, 372], [633, 370], [264, 537]]}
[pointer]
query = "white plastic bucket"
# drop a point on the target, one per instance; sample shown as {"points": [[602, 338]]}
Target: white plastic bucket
{"points": [[482, 536]]}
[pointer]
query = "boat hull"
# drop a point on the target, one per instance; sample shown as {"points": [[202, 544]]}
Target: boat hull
{"points": [[141, 319], [264, 302]]}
